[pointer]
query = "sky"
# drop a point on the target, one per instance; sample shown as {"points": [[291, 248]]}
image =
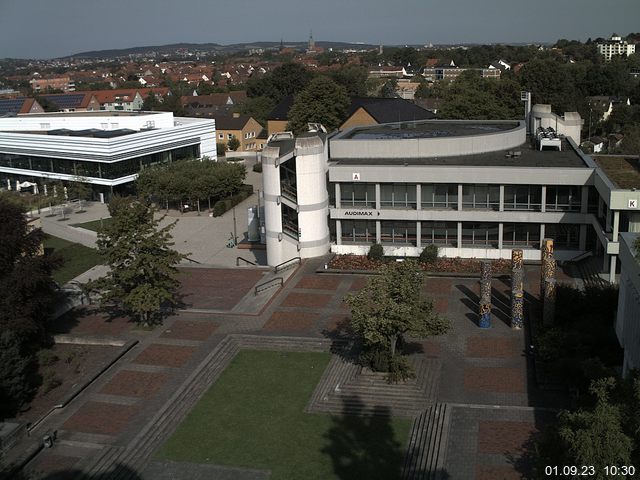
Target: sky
{"points": [[55, 28]]}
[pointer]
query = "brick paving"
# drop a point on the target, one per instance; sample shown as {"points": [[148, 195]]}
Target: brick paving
{"points": [[53, 466], [165, 355], [101, 417], [190, 330], [91, 321], [307, 300], [135, 383], [216, 289], [479, 368], [291, 322], [494, 379]]}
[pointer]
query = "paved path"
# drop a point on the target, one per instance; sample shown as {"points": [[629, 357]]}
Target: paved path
{"points": [[481, 393]]}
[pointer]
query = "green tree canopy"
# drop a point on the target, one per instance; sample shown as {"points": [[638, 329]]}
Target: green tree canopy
{"points": [[353, 78], [142, 265], [287, 79], [322, 101], [258, 108], [233, 144], [392, 306]]}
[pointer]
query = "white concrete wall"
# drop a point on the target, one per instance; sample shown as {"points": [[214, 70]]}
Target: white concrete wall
{"points": [[628, 316], [451, 252], [82, 120]]}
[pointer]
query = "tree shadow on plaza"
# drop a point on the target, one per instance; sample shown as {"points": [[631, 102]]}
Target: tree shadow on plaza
{"points": [[362, 443], [119, 471]]}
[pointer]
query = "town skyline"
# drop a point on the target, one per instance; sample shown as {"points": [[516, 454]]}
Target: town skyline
{"points": [[410, 23]]}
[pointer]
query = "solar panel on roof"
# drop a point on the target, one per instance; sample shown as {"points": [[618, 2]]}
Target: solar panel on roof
{"points": [[71, 100], [11, 105]]}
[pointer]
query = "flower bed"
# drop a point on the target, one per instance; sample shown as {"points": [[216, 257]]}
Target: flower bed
{"points": [[442, 265]]}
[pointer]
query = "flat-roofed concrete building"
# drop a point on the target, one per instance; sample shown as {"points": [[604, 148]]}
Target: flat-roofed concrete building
{"points": [[628, 317], [473, 188], [107, 149]]}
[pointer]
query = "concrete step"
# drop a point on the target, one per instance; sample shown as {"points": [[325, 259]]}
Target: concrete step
{"points": [[425, 456]]}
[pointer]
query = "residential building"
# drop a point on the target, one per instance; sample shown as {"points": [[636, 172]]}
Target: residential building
{"points": [[14, 106], [121, 100], [603, 105], [214, 104], [476, 189], [39, 84], [73, 102], [242, 127], [374, 111], [615, 46], [108, 149]]}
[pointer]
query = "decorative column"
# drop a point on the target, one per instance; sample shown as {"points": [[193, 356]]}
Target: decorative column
{"points": [[517, 289], [547, 255], [485, 295], [548, 288]]}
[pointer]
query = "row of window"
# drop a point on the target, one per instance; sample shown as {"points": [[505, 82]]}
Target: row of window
{"points": [[476, 196], [83, 168], [446, 233]]}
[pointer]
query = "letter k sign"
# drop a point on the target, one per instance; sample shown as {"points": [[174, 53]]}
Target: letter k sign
{"points": [[633, 203]]}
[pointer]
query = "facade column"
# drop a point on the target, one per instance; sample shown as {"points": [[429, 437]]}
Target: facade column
{"points": [[460, 190], [338, 232], [500, 235], [501, 208], [612, 269], [418, 234], [378, 232], [418, 196], [543, 203], [338, 197], [608, 220], [616, 225], [378, 202], [459, 234], [600, 203], [582, 239], [542, 234], [584, 201]]}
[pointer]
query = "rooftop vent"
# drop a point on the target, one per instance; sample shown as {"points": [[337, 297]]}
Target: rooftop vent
{"points": [[548, 138]]}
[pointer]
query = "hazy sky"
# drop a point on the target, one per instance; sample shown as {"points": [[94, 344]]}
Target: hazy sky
{"points": [[52, 28]]}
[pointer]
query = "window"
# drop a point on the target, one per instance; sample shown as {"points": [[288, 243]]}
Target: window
{"points": [[521, 235], [229, 136], [439, 196], [564, 199], [564, 235], [481, 197], [290, 221], [480, 234], [439, 233], [522, 197], [398, 195], [358, 195], [402, 233], [358, 231]]}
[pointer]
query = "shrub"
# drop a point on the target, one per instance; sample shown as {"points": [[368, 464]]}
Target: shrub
{"points": [[376, 252], [429, 255], [400, 370], [228, 203], [257, 167], [46, 358], [50, 381], [377, 359]]}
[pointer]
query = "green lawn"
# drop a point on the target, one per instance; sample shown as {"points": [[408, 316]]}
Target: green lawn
{"points": [[94, 224], [77, 258], [253, 417]]}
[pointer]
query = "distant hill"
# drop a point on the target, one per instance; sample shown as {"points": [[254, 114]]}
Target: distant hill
{"points": [[210, 47]]}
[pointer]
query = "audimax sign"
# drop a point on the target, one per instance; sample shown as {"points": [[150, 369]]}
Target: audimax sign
{"points": [[360, 213]]}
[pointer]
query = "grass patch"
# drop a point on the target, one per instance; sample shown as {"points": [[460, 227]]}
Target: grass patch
{"points": [[94, 224], [76, 258], [253, 417]]}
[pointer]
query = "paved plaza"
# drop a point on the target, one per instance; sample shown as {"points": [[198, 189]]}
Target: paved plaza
{"points": [[483, 377]]}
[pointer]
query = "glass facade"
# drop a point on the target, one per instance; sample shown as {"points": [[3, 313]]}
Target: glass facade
{"points": [[563, 199], [398, 195], [398, 233], [480, 234], [107, 170], [521, 235], [565, 235], [358, 195], [481, 197], [442, 196], [523, 197], [439, 233], [290, 221], [358, 231]]}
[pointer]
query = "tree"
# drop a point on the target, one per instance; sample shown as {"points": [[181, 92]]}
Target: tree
{"points": [[233, 144], [390, 307], [142, 264], [258, 108], [322, 101], [596, 437], [353, 78], [389, 89], [80, 189], [150, 103], [15, 386], [287, 79]]}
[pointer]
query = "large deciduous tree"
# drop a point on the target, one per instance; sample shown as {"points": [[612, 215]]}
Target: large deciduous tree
{"points": [[390, 307], [142, 275], [322, 101]]}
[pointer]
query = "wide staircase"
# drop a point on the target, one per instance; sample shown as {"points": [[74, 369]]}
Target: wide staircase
{"points": [[425, 455], [589, 270]]}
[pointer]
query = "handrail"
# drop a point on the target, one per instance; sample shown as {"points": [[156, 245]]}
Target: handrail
{"points": [[268, 284], [284, 265], [244, 260], [192, 260]]}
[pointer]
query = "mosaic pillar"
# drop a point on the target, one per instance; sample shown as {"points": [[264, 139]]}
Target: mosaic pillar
{"points": [[549, 297], [517, 289], [547, 253], [485, 295]]}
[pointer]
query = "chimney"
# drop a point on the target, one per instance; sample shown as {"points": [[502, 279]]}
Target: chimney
{"points": [[236, 115]]}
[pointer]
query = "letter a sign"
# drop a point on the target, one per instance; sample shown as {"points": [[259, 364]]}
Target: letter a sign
{"points": [[356, 177]]}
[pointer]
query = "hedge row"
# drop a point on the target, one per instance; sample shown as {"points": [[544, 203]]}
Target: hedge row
{"points": [[228, 203]]}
